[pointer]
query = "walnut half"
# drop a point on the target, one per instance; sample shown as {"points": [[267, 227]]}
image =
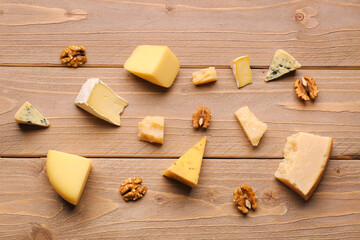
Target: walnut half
{"points": [[131, 189], [306, 88], [73, 56], [200, 118], [245, 198]]}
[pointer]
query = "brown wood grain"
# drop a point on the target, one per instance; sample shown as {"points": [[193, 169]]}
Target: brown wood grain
{"points": [[335, 113], [317, 33], [30, 208]]}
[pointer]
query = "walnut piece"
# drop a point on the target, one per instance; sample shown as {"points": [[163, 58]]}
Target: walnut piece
{"points": [[73, 56], [131, 189], [245, 198], [306, 88], [200, 118]]}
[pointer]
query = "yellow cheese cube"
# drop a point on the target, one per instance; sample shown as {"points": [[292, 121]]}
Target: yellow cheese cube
{"points": [[253, 128], [305, 159], [156, 64], [151, 129], [241, 70], [187, 168], [68, 174], [28, 114], [204, 76]]}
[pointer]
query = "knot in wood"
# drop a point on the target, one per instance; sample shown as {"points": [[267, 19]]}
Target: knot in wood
{"points": [[299, 17]]}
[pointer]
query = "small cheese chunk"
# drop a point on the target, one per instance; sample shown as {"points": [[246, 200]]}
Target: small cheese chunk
{"points": [[187, 168], [241, 70], [156, 64], [98, 99], [204, 76], [305, 159], [253, 128], [151, 129], [282, 63], [68, 174], [28, 114]]}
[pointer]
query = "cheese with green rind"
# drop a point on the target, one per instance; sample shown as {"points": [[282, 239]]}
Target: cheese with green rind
{"points": [[28, 114], [282, 63]]}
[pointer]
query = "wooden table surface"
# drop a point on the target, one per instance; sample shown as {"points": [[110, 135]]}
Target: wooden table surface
{"points": [[324, 36]]}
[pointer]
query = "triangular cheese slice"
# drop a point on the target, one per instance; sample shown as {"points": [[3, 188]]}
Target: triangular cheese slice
{"points": [[282, 63], [68, 174], [28, 114], [187, 168]]}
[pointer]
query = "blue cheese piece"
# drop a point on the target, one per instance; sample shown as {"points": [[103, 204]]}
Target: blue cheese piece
{"points": [[28, 114], [282, 63]]}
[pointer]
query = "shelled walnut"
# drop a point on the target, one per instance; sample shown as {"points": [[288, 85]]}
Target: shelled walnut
{"points": [[131, 189], [245, 198], [200, 118], [306, 88], [73, 56]]}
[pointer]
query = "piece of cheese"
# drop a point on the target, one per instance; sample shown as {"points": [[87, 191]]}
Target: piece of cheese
{"points": [[187, 168], [204, 76], [68, 174], [151, 129], [98, 99], [241, 70], [305, 159], [282, 63], [253, 128], [156, 64], [28, 114]]}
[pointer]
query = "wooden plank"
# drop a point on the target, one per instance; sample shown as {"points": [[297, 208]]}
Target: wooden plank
{"points": [[199, 32], [336, 113], [30, 207]]}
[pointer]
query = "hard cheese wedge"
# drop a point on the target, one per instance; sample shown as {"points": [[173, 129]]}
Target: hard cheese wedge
{"points": [[282, 63], [204, 76], [241, 70], [156, 64], [98, 99], [187, 168], [28, 114], [305, 159], [253, 128], [151, 129], [68, 174]]}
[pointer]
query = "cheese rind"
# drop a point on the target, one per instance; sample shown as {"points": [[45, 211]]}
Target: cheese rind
{"points": [[253, 128], [204, 76], [281, 64], [100, 100], [28, 114], [305, 160], [241, 70], [68, 174], [156, 64], [187, 168], [151, 129]]}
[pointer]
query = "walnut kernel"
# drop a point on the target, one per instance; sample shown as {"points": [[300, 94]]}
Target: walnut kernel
{"points": [[131, 189], [73, 56], [201, 117], [245, 198], [306, 88]]}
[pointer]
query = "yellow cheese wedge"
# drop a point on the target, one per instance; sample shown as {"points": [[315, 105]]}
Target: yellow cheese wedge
{"points": [[100, 100], [204, 76], [28, 114], [241, 70], [253, 128], [187, 168], [281, 64], [305, 159], [68, 174], [151, 129], [156, 64]]}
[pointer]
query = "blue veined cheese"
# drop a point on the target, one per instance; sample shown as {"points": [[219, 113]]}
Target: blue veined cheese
{"points": [[28, 114], [282, 63]]}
